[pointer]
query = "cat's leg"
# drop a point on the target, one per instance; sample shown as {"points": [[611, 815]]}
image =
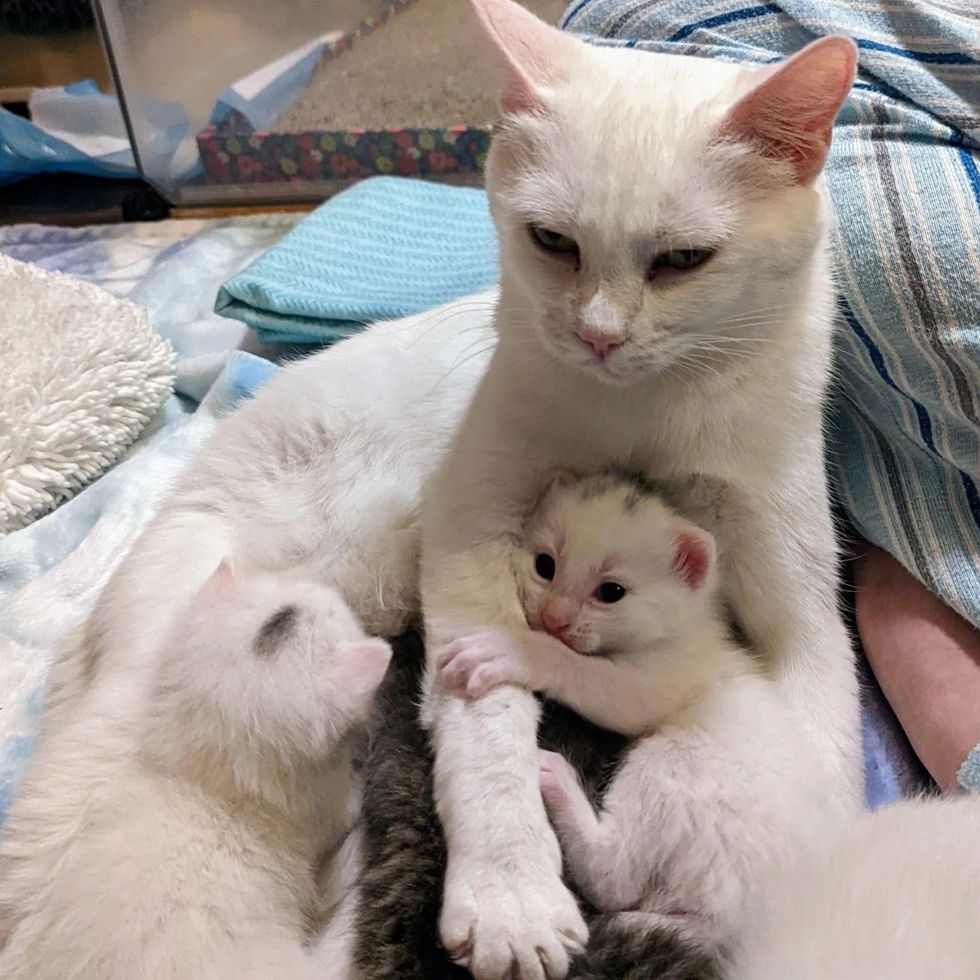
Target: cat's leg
{"points": [[596, 848], [505, 908], [616, 696]]}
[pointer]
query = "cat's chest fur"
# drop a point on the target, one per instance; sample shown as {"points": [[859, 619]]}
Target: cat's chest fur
{"points": [[665, 429]]}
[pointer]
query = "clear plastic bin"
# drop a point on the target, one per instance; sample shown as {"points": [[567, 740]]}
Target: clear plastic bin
{"points": [[400, 88]]}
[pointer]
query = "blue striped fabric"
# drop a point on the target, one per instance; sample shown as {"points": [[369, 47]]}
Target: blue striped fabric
{"points": [[904, 176]]}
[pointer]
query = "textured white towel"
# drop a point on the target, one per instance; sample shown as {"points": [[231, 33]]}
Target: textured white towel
{"points": [[81, 375]]}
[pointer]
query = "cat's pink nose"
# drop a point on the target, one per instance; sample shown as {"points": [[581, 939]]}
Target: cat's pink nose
{"points": [[602, 344], [557, 615]]}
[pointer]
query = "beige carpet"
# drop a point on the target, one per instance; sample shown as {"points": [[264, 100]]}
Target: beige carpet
{"points": [[426, 67]]}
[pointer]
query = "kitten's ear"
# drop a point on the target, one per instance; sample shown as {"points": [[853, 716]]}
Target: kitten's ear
{"points": [[362, 664], [224, 583], [554, 479], [530, 54], [790, 115], [694, 556]]}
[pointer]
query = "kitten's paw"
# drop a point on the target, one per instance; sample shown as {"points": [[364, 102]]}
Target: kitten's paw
{"points": [[516, 924], [473, 665], [558, 780]]}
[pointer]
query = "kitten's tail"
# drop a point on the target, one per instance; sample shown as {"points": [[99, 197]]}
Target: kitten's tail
{"points": [[619, 949]]}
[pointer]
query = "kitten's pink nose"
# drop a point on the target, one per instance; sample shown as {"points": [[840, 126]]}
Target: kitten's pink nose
{"points": [[557, 615], [602, 344]]}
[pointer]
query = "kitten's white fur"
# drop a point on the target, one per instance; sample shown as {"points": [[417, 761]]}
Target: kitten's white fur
{"points": [[318, 477], [895, 897], [725, 790], [197, 857], [717, 384]]}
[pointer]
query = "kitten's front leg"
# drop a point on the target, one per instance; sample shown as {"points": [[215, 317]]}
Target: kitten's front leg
{"points": [[613, 695], [474, 664], [506, 911], [593, 847]]}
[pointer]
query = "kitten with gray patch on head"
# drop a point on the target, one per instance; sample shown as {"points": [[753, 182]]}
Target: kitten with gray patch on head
{"points": [[198, 858], [621, 593]]}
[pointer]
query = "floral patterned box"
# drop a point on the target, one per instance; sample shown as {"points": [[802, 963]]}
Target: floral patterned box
{"points": [[233, 153], [233, 156]]}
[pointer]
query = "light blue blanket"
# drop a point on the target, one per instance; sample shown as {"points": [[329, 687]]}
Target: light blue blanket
{"points": [[385, 248]]}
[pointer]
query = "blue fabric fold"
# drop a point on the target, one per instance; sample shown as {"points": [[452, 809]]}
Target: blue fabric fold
{"points": [[385, 248]]}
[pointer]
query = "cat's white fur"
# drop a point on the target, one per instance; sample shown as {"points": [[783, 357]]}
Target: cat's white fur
{"points": [[723, 789], [198, 857], [717, 384], [895, 897]]}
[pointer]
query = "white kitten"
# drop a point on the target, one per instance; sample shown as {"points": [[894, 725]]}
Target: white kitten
{"points": [[896, 897], [728, 787], [319, 476], [196, 859], [665, 305]]}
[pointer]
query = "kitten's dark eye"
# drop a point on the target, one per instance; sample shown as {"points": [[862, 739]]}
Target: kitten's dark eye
{"points": [[610, 592], [544, 565], [553, 241], [681, 259]]}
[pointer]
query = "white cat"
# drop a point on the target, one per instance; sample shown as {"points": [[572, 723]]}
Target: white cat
{"points": [[197, 858], [726, 788], [895, 897], [665, 305]]}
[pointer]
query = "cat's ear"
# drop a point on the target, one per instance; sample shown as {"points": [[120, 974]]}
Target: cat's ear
{"points": [[224, 584], [362, 665], [694, 556], [530, 55], [555, 479], [790, 115]]}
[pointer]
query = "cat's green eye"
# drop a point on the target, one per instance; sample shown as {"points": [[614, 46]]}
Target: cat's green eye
{"points": [[681, 259], [553, 241]]}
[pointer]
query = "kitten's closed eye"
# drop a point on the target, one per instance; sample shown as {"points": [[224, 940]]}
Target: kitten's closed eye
{"points": [[679, 260]]}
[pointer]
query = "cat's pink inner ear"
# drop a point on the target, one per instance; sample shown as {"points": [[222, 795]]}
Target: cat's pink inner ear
{"points": [[363, 664], [529, 53], [694, 554], [224, 582], [790, 116]]}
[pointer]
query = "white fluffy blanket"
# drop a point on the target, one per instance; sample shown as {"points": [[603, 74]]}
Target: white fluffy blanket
{"points": [[83, 375]]}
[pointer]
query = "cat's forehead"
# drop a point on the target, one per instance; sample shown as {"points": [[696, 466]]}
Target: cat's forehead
{"points": [[623, 146]]}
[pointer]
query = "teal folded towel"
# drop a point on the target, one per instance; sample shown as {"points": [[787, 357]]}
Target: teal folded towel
{"points": [[385, 248]]}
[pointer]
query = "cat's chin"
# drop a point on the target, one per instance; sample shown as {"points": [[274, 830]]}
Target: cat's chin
{"points": [[615, 373]]}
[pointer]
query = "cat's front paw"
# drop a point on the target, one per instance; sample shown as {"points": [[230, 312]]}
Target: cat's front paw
{"points": [[510, 921], [474, 664], [558, 780]]}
